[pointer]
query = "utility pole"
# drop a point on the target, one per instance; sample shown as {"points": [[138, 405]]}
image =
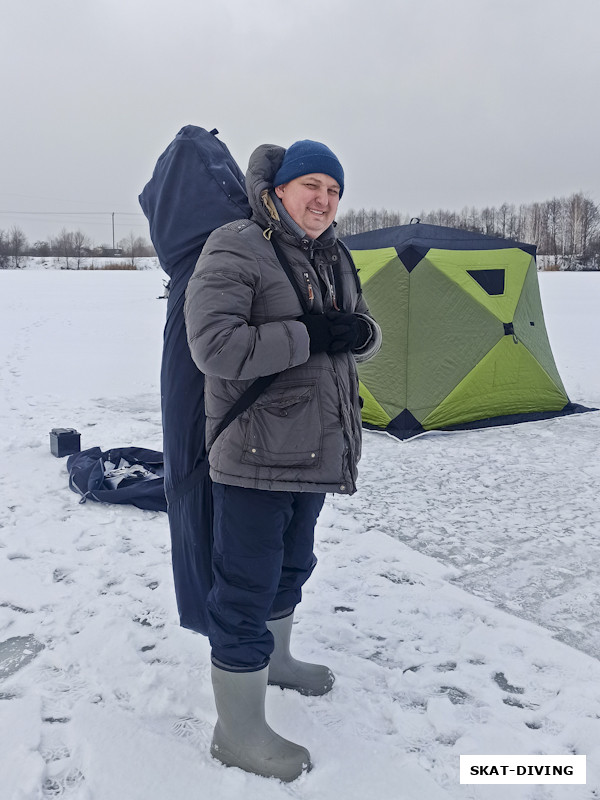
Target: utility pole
{"points": [[113, 230]]}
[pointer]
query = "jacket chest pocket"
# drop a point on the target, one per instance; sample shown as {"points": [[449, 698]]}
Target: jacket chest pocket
{"points": [[285, 428]]}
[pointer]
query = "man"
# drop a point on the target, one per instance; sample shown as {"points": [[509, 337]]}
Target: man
{"points": [[246, 317]]}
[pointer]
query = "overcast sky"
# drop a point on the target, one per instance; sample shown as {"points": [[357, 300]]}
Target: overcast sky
{"points": [[428, 103]]}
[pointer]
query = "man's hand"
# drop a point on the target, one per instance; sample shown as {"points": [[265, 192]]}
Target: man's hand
{"points": [[334, 331]]}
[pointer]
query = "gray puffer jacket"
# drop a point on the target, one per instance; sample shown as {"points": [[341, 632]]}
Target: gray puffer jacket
{"points": [[304, 432]]}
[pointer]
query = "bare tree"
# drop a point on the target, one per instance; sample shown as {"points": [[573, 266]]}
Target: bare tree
{"points": [[17, 244], [81, 245], [4, 250], [589, 223], [488, 221], [62, 246], [134, 247], [555, 219], [504, 213]]}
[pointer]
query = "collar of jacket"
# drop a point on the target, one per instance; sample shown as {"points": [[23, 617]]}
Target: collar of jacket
{"points": [[278, 221]]}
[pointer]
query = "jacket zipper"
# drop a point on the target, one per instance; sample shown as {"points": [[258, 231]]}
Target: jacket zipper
{"points": [[331, 289], [311, 294]]}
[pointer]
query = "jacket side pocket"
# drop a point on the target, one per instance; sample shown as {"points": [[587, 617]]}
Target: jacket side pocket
{"points": [[285, 428]]}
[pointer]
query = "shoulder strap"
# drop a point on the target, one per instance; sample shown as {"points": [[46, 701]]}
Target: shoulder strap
{"points": [[285, 265], [245, 400], [348, 254]]}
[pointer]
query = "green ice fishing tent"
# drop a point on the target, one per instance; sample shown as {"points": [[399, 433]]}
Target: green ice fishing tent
{"points": [[464, 339]]}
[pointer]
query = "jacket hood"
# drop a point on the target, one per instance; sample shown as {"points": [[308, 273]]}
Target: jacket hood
{"points": [[196, 187], [262, 167]]}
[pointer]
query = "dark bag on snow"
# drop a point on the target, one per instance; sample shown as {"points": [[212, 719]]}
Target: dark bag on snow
{"points": [[131, 475]]}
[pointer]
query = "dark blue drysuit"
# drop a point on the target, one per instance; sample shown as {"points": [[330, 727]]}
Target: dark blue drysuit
{"points": [[196, 187]]}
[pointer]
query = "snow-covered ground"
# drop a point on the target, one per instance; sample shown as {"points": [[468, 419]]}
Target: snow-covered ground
{"points": [[456, 597]]}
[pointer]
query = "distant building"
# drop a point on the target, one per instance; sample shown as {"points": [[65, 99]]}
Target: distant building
{"points": [[108, 252]]}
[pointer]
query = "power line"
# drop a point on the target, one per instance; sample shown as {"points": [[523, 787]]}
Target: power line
{"points": [[78, 213], [45, 197], [98, 220]]}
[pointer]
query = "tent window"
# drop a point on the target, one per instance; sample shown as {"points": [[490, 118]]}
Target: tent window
{"points": [[490, 280]]}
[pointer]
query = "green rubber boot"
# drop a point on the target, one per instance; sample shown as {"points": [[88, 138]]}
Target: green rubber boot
{"points": [[242, 737], [288, 672]]}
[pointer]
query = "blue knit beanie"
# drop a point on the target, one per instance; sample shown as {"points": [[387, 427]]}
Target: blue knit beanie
{"points": [[306, 156]]}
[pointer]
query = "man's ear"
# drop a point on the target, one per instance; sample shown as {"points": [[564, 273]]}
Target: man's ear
{"points": [[279, 190]]}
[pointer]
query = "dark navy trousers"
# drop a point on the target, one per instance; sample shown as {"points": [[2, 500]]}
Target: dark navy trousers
{"points": [[262, 556]]}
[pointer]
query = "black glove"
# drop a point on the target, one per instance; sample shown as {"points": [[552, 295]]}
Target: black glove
{"points": [[364, 333], [317, 326], [344, 330], [332, 332]]}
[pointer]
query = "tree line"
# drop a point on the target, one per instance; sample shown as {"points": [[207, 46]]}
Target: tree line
{"points": [[73, 248], [566, 229]]}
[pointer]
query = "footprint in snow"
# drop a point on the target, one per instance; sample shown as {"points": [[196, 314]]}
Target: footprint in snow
{"points": [[456, 696], [61, 776], [63, 784], [54, 751], [153, 618], [500, 680], [195, 730]]}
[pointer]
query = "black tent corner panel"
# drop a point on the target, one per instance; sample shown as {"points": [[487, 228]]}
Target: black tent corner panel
{"points": [[411, 256], [404, 426]]}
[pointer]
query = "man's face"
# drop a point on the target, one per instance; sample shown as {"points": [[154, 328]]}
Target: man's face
{"points": [[311, 201]]}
